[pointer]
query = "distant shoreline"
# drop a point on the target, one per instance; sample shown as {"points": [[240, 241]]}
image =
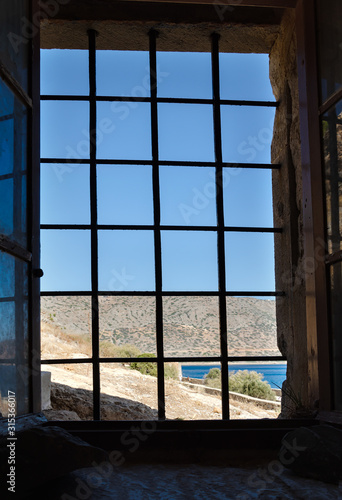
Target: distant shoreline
{"points": [[205, 363]]}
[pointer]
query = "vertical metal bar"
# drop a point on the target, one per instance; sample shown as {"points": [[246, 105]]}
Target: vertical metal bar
{"points": [[157, 234], [220, 223], [93, 210]]}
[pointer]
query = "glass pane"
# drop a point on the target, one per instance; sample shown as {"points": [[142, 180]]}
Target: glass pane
{"points": [[13, 117], [124, 130], [13, 192], [127, 326], [65, 327], [129, 392], [64, 72], [189, 261], [126, 261], [65, 260], [191, 326], [332, 144], [72, 389], [247, 197], [184, 74], [65, 194], [123, 73], [250, 384], [252, 326], [336, 322], [192, 398], [247, 134], [64, 131], [250, 262], [14, 335], [186, 132], [15, 37], [245, 77], [188, 196], [330, 53], [124, 194]]}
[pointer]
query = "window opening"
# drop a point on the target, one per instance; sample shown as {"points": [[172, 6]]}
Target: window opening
{"points": [[151, 276]]}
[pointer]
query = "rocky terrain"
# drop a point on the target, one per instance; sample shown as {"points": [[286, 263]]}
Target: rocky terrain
{"points": [[191, 325], [128, 395], [191, 328]]}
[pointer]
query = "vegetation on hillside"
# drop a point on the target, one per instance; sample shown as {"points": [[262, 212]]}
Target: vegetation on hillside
{"points": [[150, 368], [245, 382]]}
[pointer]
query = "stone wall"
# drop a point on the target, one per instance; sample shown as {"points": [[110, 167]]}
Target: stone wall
{"points": [[287, 203]]}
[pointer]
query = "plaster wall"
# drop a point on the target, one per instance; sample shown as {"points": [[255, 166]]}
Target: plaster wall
{"points": [[287, 205]]}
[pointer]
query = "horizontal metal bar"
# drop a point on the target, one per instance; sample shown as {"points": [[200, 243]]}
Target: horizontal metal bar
{"points": [[113, 227], [163, 100], [9, 246], [255, 294], [72, 161], [106, 293], [51, 97], [15, 86], [66, 361], [234, 102], [167, 163], [167, 359], [12, 175], [63, 227], [4, 118]]}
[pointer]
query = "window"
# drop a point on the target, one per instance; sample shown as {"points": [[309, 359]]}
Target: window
{"points": [[330, 55], [157, 228], [17, 390]]}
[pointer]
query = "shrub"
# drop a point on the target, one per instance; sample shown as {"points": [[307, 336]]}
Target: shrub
{"points": [[243, 382], [128, 351], [171, 370], [213, 378], [251, 384], [110, 350], [146, 368]]}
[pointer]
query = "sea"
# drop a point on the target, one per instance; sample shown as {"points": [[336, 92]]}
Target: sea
{"points": [[274, 374]]}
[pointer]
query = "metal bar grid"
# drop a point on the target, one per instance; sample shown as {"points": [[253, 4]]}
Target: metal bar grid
{"points": [[224, 359]]}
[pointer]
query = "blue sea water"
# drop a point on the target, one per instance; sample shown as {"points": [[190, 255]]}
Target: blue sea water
{"points": [[274, 374]]}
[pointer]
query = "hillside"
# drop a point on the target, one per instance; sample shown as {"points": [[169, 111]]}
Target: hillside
{"points": [[191, 325]]}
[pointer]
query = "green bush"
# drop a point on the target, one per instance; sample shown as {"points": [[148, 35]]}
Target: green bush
{"points": [[243, 382], [171, 371], [213, 378], [251, 384], [146, 368], [110, 350]]}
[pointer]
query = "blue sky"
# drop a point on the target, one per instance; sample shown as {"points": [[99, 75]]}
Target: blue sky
{"points": [[126, 260]]}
